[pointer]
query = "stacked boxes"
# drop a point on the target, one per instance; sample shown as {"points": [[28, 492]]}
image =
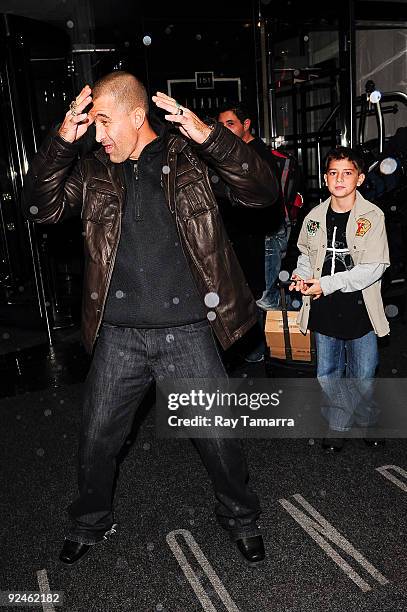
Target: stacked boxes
{"points": [[274, 330]]}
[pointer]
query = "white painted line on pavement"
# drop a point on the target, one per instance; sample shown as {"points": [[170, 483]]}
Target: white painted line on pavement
{"points": [[192, 578], [385, 471], [44, 588], [321, 529]]}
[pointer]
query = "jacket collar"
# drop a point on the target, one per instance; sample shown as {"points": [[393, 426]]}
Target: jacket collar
{"points": [[362, 206], [177, 143], [102, 156]]}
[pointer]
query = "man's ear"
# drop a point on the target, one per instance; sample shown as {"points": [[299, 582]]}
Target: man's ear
{"points": [[246, 125], [138, 117], [361, 179]]}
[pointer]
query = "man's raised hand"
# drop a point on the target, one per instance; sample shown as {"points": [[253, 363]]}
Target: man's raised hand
{"points": [[76, 122], [189, 124]]}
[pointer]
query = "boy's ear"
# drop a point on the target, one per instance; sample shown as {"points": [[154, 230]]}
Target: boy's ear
{"points": [[325, 179], [361, 179]]}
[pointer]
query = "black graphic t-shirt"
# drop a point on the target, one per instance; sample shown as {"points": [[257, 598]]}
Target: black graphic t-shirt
{"points": [[340, 315]]}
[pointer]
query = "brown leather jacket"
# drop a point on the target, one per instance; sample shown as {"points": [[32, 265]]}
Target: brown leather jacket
{"points": [[59, 185]]}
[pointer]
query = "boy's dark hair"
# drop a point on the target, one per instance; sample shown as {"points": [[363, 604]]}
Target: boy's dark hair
{"points": [[346, 153], [239, 108]]}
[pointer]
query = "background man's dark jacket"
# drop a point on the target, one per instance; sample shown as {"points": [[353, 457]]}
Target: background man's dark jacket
{"points": [[247, 228], [59, 186]]}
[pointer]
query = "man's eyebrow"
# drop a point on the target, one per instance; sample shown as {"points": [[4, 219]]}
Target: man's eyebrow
{"points": [[102, 115]]}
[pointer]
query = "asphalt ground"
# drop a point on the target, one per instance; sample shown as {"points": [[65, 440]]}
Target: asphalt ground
{"points": [[334, 525]]}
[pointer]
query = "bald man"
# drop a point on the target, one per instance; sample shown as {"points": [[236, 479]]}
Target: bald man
{"points": [[154, 247]]}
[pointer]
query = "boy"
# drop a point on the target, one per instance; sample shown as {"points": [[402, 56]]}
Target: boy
{"points": [[344, 253]]}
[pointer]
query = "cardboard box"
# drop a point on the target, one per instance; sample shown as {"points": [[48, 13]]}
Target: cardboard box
{"points": [[296, 354], [274, 331], [277, 352]]}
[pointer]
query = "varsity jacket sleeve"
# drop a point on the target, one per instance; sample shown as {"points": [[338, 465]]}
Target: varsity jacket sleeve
{"points": [[356, 279], [250, 179], [53, 186], [303, 269]]}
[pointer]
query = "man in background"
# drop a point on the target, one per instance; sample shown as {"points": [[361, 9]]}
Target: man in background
{"points": [[247, 229]]}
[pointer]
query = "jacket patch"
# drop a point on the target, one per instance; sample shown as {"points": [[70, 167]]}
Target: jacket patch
{"points": [[364, 226], [312, 227]]}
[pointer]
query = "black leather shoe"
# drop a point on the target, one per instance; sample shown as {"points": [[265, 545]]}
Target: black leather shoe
{"points": [[252, 548], [72, 552], [333, 445], [375, 442]]}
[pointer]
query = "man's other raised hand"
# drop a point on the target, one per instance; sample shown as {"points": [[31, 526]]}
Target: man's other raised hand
{"points": [[76, 122]]}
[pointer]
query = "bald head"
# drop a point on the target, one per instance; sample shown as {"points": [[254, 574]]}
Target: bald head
{"points": [[125, 88]]}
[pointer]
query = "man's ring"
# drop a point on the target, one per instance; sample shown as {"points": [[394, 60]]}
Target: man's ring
{"points": [[72, 108], [180, 110]]}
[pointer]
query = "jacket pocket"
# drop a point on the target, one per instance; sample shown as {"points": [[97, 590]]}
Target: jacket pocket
{"points": [[196, 199], [100, 206], [358, 256], [187, 176]]}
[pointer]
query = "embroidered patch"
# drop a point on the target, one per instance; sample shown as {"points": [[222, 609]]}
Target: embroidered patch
{"points": [[312, 227], [364, 226]]}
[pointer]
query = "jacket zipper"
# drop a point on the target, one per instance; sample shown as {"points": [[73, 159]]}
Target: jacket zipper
{"points": [[137, 191], [181, 241], [113, 257], [190, 257], [112, 262]]}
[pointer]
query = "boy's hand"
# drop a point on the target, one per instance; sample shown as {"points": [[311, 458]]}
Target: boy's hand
{"points": [[297, 284], [312, 287]]}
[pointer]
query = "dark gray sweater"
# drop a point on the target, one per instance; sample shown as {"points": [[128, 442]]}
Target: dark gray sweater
{"points": [[151, 285]]}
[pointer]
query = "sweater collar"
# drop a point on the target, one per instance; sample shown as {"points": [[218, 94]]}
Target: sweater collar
{"points": [[158, 144]]}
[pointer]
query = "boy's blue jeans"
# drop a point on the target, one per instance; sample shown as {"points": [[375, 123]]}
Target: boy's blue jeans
{"points": [[345, 371]]}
